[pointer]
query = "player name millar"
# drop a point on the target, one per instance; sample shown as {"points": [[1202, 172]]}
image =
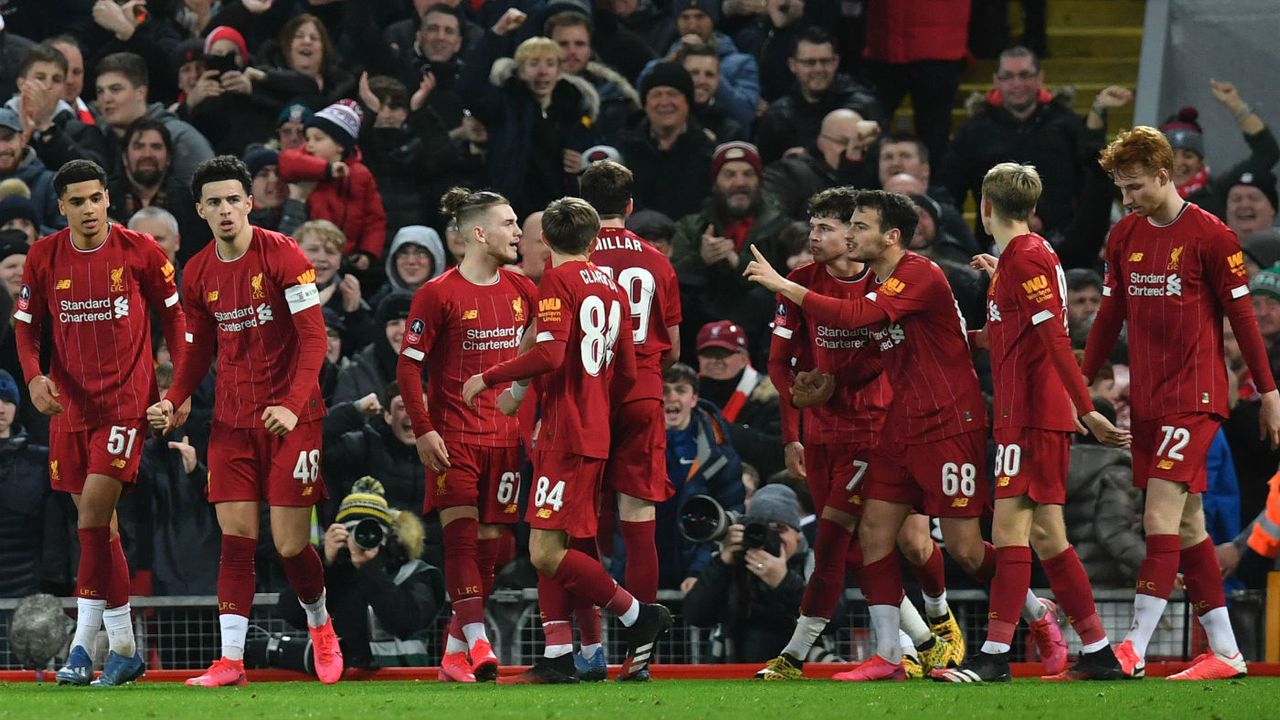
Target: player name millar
{"points": [[617, 242]]}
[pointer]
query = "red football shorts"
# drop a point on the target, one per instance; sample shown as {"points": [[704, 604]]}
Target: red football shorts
{"points": [[946, 478], [835, 476], [1174, 448], [253, 464], [1032, 462], [565, 493], [486, 478], [637, 464], [111, 450]]}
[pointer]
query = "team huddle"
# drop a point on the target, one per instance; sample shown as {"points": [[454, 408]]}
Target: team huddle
{"points": [[882, 415]]}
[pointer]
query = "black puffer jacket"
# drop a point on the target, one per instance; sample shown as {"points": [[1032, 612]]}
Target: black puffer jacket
{"points": [[354, 448], [793, 121], [24, 482], [1103, 515], [757, 619], [675, 181]]}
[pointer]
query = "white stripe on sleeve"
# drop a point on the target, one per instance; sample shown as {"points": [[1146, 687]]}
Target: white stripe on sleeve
{"points": [[545, 336], [171, 300], [784, 333], [301, 297], [1041, 317], [1239, 292], [413, 354], [23, 316]]}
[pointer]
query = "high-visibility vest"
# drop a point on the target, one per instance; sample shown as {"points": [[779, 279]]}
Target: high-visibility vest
{"points": [[1265, 538]]}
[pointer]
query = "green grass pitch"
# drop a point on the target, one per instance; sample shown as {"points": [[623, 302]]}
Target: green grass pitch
{"points": [[1252, 698]]}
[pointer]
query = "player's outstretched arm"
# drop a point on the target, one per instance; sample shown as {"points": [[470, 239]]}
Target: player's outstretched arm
{"points": [[546, 355], [1102, 429], [759, 271]]}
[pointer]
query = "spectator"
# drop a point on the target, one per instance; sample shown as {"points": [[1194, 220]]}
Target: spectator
{"points": [[374, 366], [739, 77], [648, 19], [794, 119], [17, 213], [1261, 250], [383, 446], [967, 284], [17, 160], [745, 397], [430, 45], [538, 118], [147, 181], [25, 484], [1222, 498], [1019, 121], [408, 150], [322, 242], [654, 227], [754, 594], [711, 247], [668, 152], [1255, 459], [1191, 174], [301, 67], [13, 258], [334, 360], [572, 31], [416, 255], [830, 160], [770, 39], [918, 48], [291, 127], [345, 192], [276, 205], [224, 92], [383, 599], [69, 46], [161, 225], [56, 132], [1104, 514], [901, 154], [148, 35], [1084, 296], [534, 253], [1251, 203], [188, 59], [122, 88], [703, 64], [700, 461], [618, 46]]}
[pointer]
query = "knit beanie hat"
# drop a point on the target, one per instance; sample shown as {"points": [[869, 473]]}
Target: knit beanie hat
{"points": [[340, 121], [16, 206], [1263, 180], [224, 32], [1184, 132], [8, 388], [710, 7], [367, 500], [736, 151], [1266, 283], [776, 503], [296, 112], [668, 75]]}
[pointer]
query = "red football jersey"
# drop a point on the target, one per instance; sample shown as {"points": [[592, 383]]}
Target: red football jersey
{"points": [[1173, 283], [261, 312], [649, 281], [97, 301], [579, 304], [1028, 289], [856, 412], [926, 354], [459, 329]]}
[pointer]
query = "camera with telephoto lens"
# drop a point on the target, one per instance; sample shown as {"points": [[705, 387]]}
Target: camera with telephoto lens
{"points": [[368, 533], [702, 519]]}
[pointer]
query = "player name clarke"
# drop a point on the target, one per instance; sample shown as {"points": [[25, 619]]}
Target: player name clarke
{"points": [[506, 338]]}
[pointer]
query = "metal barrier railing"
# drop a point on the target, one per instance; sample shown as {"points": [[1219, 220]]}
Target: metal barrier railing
{"points": [[182, 632]]}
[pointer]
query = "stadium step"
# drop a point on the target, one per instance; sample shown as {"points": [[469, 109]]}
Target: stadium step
{"points": [[1079, 13]]}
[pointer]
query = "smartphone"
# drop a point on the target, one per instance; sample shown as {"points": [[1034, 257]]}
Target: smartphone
{"points": [[139, 11], [220, 63]]}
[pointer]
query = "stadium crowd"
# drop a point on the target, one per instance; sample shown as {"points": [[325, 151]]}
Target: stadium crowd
{"points": [[355, 116]]}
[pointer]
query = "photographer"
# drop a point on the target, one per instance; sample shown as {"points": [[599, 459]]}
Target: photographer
{"points": [[382, 596], [751, 591]]}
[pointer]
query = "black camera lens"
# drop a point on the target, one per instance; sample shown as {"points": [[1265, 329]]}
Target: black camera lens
{"points": [[368, 533], [755, 534]]}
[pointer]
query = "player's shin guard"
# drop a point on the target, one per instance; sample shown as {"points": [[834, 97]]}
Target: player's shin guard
{"points": [[642, 559], [1203, 580], [93, 580], [1071, 589], [584, 576], [462, 573], [1008, 590], [553, 608], [235, 592], [882, 585], [1155, 582]]}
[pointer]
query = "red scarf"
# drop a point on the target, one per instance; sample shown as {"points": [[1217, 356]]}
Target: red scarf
{"points": [[1195, 184], [737, 232], [750, 378]]}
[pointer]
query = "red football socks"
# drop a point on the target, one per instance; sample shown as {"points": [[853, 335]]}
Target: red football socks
{"points": [[932, 575], [584, 576], [1202, 577], [93, 575], [882, 581], [587, 613], [553, 608], [987, 570], [1008, 591], [1070, 584], [642, 559], [487, 551], [118, 586], [236, 575], [462, 576], [305, 574], [829, 550], [1160, 567]]}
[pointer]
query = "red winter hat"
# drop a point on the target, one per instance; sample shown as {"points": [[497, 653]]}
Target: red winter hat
{"points": [[224, 32], [736, 151], [722, 334]]}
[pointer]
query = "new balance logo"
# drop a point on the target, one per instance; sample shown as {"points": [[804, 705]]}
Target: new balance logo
{"points": [[63, 285]]}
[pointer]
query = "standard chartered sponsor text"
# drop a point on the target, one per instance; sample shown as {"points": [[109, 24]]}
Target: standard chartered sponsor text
{"points": [[496, 339], [74, 311]]}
